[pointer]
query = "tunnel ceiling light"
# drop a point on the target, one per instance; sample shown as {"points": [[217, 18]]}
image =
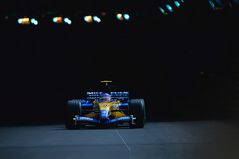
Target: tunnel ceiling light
{"points": [[162, 10], [119, 16], [67, 21], [126, 16], [216, 5], [88, 19], [177, 4], [58, 20], [34, 21], [169, 7], [212, 5], [24, 21], [96, 19]]}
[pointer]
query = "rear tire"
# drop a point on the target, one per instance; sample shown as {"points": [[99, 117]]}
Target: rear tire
{"points": [[137, 109], [73, 108]]}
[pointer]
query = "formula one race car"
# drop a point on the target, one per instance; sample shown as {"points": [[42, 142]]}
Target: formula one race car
{"points": [[105, 109]]}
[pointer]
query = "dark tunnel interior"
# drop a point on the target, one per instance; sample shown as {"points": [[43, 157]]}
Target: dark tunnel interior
{"points": [[184, 65]]}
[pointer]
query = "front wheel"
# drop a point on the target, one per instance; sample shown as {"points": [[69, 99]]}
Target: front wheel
{"points": [[73, 108], [137, 109]]}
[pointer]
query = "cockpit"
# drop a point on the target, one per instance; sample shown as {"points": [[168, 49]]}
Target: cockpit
{"points": [[105, 98]]}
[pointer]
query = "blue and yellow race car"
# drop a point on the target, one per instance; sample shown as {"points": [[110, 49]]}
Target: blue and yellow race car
{"points": [[105, 109]]}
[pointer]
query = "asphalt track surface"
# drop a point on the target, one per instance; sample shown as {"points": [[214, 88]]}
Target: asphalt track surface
{"points": [[158, 140]]}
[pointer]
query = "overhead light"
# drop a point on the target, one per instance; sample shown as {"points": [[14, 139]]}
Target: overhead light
{"points": [[177, 4], [57, 20], [162, 10], [122, 17], [24, 21], [119, 16], [96, 19], [169, 7], [34, 21], [126, 16], [67, 20], [88, 19]]}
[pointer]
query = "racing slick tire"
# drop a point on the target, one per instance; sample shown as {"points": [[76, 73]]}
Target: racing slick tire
{"points": [[137, 109], [73, 108]]}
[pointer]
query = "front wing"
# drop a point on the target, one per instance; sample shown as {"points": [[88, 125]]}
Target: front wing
{"points": [[129, 119]]}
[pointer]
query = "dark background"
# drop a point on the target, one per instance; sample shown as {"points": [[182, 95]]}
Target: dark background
{"points": [[185, 65]]}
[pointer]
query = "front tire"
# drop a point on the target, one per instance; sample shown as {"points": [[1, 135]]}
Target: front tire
{"points": [[137, 109], [73, 108]]}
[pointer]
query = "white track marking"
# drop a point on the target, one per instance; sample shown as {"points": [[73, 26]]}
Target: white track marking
{"points": [[126, 145]]}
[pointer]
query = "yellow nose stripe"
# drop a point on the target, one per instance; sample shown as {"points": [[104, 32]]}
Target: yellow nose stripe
{"points": [[105, 106]]}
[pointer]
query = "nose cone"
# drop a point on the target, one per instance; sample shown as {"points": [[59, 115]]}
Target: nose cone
{"points": [[104, 114], [105, 108]]}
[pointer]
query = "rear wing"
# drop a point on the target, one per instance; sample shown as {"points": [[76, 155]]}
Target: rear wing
{"points": [[114, 95]]}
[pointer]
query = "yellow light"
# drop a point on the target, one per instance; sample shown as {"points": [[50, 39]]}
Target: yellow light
{"points": [[24, 21], [88, 19], [57, 20], [106, 81]]}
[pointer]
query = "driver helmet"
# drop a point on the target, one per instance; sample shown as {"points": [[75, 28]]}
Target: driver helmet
{"points": [[106, 97]]}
